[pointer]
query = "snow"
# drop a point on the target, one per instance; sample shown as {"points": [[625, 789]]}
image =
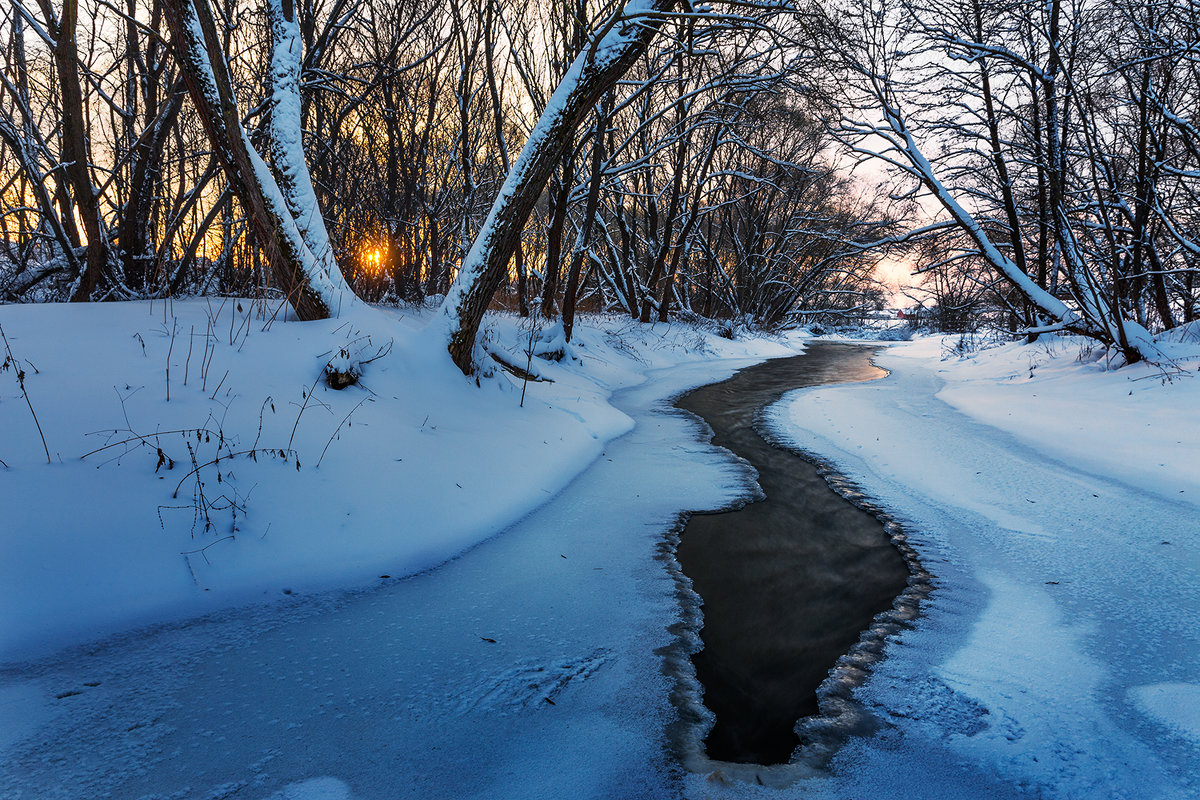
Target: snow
{"points": [[1094, 315], [622, 39], [1176, 705], [527, 667], [293, 206], [1057, 657], [287, 150], [314, 789], [1055, 503], [394, 476], [23, 710], [1060, 396]]}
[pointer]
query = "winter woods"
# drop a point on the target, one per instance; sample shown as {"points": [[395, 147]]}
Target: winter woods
{"points": [[653, 158], [1056, 142]]}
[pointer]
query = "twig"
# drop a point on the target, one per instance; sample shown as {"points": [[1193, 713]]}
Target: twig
{"points": [[21, 382], [261, 409], [533, 324], [124, 412], [206, 359], [230, 455], [219, 385], [137, 437], [246, 335], [269, 322], [174, 325], [307, 395], [339, 427], [202, 549], [383, 351], [246, 325], [1163, 374], [199, 501], [187, 363]]}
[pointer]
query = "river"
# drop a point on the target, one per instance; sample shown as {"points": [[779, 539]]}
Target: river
{"points": [[789, 582]]}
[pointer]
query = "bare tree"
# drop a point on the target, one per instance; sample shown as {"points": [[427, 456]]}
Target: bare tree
{"points": [[920, 95], [281, 204], [612, 50]]}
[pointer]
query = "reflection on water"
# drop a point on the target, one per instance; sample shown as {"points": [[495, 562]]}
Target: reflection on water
{"points": [[788, 583]]}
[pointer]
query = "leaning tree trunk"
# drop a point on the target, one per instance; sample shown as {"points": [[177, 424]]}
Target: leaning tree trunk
{"points": [[287, 147], [612, 52], [285, 219]]}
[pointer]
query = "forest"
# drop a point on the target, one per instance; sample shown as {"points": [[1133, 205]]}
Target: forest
{"points": [[1035, 166]]}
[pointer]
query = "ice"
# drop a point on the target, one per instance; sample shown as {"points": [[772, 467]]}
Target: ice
{"points": [[528, 666], [314, 789], [416, 465], [1066, 570], [1176, 705]]}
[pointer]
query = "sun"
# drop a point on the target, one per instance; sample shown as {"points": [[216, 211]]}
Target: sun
{"points": [[372, 259]]}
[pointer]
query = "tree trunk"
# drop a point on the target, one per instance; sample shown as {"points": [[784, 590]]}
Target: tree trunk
{"points": [[560, 193], [281, 218], [591, 207], [612, 52], [76, 152]]}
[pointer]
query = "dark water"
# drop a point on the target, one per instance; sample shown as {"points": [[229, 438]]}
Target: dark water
{"points": [[788, 583]]}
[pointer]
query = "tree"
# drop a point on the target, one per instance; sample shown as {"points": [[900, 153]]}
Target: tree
{"points": [[50, 226], [279, 199], [697, 186], [612, 50], [920, 95], [60, 34]]}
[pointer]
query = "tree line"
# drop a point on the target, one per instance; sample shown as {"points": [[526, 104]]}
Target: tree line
{"points": [[652, 156], [699, 180], [1057, 145]]}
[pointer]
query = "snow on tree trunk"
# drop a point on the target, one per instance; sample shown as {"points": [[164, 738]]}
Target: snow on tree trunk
{"points": [[1093, 318], [311, 282], [595, 70], [287, 148], [881, 56]]}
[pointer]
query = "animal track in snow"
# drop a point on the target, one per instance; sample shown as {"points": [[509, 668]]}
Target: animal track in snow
{"points": [[531, 685]]}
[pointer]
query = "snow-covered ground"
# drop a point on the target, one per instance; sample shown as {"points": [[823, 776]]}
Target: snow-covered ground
{"points": [[529, 666], [314, 488], [1059, 656]]}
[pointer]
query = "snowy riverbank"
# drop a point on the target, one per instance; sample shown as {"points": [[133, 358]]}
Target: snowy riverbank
{"points": [[323, 488], [1057, 658], [1056, 504]]}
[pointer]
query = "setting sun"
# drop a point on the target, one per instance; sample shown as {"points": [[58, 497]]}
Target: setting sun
{"points": [[373, 259]]}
